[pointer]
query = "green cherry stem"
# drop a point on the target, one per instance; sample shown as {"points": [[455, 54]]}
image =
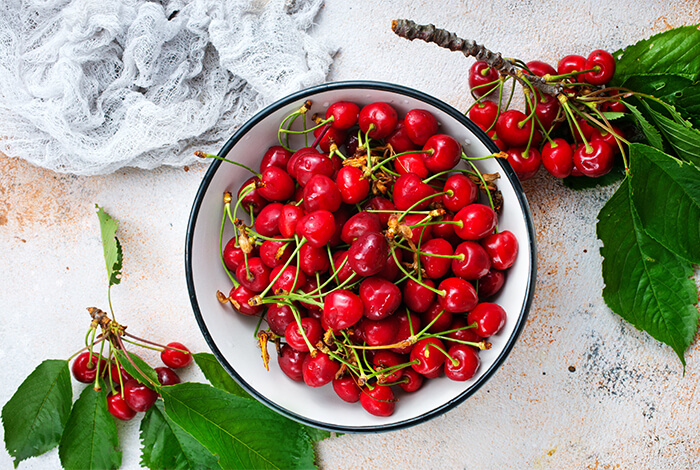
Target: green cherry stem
{"points": [[201, 154]]}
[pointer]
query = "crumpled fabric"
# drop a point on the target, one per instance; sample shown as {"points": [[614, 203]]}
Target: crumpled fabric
{"points": [[91, 86]]}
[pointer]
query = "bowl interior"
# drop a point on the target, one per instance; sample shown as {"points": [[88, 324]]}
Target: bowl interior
{"points": [[230, 334]]}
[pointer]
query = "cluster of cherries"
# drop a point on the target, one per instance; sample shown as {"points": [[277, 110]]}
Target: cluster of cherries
{"points": [[129, 396], [539, 136], [369, 254]]}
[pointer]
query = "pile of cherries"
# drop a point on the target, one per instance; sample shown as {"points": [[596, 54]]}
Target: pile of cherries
{"points": [[368, 254], [569, 134], [129, 396]]}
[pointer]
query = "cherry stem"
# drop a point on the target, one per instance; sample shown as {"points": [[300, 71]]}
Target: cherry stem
{"points": [[227, 208], [289, 260], [483, 182], [398, 263], [201, 154], [455, 362], [423, 253], [131, 361]]}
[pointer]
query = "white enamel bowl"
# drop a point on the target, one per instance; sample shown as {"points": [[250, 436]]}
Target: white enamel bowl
{"points": [[230, 335]]}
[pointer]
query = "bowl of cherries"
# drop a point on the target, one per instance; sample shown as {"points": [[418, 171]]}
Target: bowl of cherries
{"points": [[358, 258]]}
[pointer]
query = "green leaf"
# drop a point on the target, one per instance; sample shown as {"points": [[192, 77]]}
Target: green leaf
{"points": [[217, 375], [666, 195], [645, 283], [167, 446], [676, 51], [90, 439], [613, 115], [663, 86], [111, 246], [682, 137], [242, 432], [34, 418], [652, 134], [142, 365], [688, 101]]}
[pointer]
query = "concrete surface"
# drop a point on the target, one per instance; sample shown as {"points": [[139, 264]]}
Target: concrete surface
{"points": [[581, 389]]}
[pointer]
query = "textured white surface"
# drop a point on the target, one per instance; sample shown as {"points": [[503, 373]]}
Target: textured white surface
{"points": [[625, 405]]}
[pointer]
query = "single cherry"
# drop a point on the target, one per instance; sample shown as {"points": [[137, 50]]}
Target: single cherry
{"points": [[276, 184], [489, 318], [255, 276], [378, 119], [411, 192], [514, 128], [311, 329], [443, 154], [463, 364], [278, 317], [385, 359], [351, 183], [239, 297], [138, 396], [359, 224], [502, 248], [603, 65], [411, 163], [417, 297], [290, 361], [267, 221], [380, 297], [319, 370], [344, 114], [317, 227], [167, 376], [411, 380], [524, 166], [178, 356], [84, 367], [558, 158], [482, 79], [275, 156], [539, 68], [118, 408], [342, 309], [463, 192], [476, 220], [420, 125], [399, 140], [346, 388], [484, 114], [570, 64], [368, 253], [475, 262], [491, 283], [460, 296], [595, 160], [428, 354], [378, 401], [435, 258]]}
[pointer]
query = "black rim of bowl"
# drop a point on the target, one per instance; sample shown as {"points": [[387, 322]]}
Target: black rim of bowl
{"points": [[507, 170]]}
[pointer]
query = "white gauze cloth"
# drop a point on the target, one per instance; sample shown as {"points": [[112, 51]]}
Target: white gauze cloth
{"points": [[91, 86]]}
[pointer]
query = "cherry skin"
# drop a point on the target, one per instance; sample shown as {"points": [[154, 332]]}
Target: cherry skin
{"points": [[385, 359], [367, 254], [409, 324], [233, 256], [318, 227], [437, 317], [489, 318], [436, 266], [525, 167], [460, 296], [341, 216], [267, 221], [167, 376], [275, 156], [329, 136], [138, 396], [321, 192], [491, 283], [464, 192], [444, 155], [480, 76], [342, 309], [595, 161], [381, 204], [572, 63], [319, 370], [477, 221], [256, 277], [467, 362], [84, 367], [353, 186], [484, 114], [539, 68], [177, 357], [558, 158], [379, 332], [115, 371], [499, 143], [609, 137], [409, 189], [312, 330], [252, 199], [344, 114], [461, 332], [417, 297], [428, 354], [411, 163], [399, 140], [294, 159], [411, 380], [359, 224], [420, 125], [381, 117], [118, 408], [310, 164], [275, 252], [475, 262], [380, 297], [443, 229], [313, 260], [603, 65], [379, 401], [502, 248], [289, 280], [290, 361], [289, 216], [278, 317], [239, 297], [344, 272], [346, 388], [514, 128], [276, 184], [546, 108]]}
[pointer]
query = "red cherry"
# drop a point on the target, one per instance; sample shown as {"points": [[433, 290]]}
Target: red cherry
{"points": [[276, 184], [467, 362], [489, 318], [341, 216], [317, 227], [546, 108], [480, 76], [278, 317], [344, 114], [411, 191], [491, 283], [312, 163], [344, 272], [321, 192], [290, 361], [484, 114], [437, 317], [558, 158], [288, 280], [118, 408], [311, 329], [609, 137], [436, 261], [603, 65], [514, 128], [572, 63], [313, 260], [539, 68], [499, 143], [411, 380], [359, 224], [379, 332], [138, 396], [381, 204], [275, 156], [464, 192], [289, 216], [318, 370], [399, 140], [378, 401], [595, 161], [445, 153], [353, 186], [411, 163], [342, 309], [443, 229], [267, 221], [252, 200], [417, 297], [477, 221], [167, 376], [84, 367], [524, 167], [329, 135], [380, 298], [294, 159], [461, 332], [429, 354], [346, 388], [420, 125], [115, 371], [585, 128], [475, 262], [409, 324], [381, 117], [239, 297], [502, 248], [460, 296], [178, 356], [385, 359], [367, 254], [256, 277], [233, 256], [275, 252]]}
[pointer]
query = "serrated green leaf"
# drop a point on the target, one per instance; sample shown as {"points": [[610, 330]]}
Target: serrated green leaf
{"points": [[217, 375], [613, 115], [681, 136], [242, 432], [34, 418], [666, 195], [652, 134], [143, 368], [676, 52], [645, 283], [90, 439], [167, 446], [111, 246]]}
